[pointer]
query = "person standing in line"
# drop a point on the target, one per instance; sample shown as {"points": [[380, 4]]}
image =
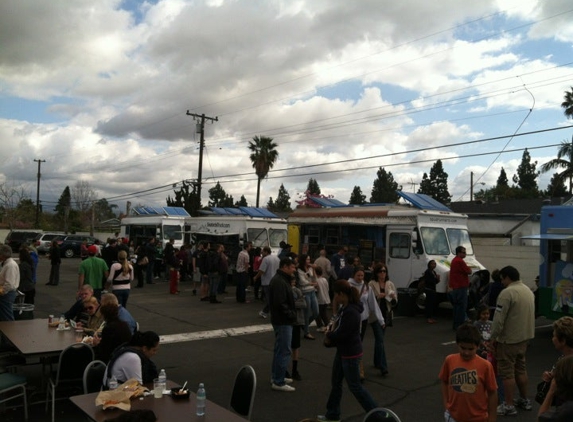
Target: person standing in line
{"points": [[26, 267], [327, 271], [337, 260], [150, 251], [459, 284], [345, 336], [269, 266], [223, 270], [203, 264], [323, 299], [214, 263], [243, 263], [120, 278], [9, 282], [256, 259], [469, 390], [195, 266], [283, 316], [92, 271], [431, 280], [55, 261], [386, 296], [307, 284], [512, 329]]}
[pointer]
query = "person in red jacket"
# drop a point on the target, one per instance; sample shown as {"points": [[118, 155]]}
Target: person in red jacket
{"points": [[459, 284]]}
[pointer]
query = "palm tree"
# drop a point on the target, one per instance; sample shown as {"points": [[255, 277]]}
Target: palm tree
{"points": [[564, 161], [568, 103], [263, 157]]}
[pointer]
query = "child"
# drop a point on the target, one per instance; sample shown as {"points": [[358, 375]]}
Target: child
{"points": [[483, 324], [469, 390], [323, 300]]}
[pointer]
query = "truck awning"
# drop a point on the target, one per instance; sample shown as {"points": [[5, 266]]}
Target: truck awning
{"points": [[549, 236]]}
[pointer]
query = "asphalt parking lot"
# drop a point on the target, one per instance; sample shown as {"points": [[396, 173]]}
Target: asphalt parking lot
{"points": [[209, 343]]}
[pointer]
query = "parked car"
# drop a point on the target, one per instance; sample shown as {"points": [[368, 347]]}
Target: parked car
{"points": [[44, 240], [16, 237], [70, 245]]}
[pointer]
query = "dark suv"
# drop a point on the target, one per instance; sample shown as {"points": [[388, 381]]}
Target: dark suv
{"points": [[16, 237], [70, 245]]}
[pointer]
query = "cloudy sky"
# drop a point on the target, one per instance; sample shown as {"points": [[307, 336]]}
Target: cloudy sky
{"points": [[100, 91]]}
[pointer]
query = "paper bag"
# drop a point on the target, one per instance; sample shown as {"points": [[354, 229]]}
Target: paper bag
{"points": [[121, 396]]}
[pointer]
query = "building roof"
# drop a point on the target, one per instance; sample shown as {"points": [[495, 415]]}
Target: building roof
{"points": [[506, 206]]}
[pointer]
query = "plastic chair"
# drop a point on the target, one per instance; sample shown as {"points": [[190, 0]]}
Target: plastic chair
{"points": [[381, 414], [9, 382], [93, 376], [243, 395], [71, 366]]}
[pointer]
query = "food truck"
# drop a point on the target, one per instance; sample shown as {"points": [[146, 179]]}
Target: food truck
{"points": [[555, 290], [405, 236]]}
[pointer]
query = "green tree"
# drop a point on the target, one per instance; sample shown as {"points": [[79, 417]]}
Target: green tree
{"points": [[282, 203], [436, 185], [502, 180], [66, 218], [526, 176], [556, 187], [219, 198], [567, 104], [384, 188], [563, 161], [313, 188], [357, 197], [263, 157], [242, 202], [186, 197]]}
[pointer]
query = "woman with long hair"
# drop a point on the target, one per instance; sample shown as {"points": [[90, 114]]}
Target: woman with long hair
{"points": [[26, 266], [120, 278], [115, 331], [370, 311], [307, 283], [386, 296], [344, 334]]}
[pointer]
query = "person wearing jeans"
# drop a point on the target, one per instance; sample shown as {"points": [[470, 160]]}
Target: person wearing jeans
{"points": [[243, 272], [459, 283], [344, 333], [283, 317]]}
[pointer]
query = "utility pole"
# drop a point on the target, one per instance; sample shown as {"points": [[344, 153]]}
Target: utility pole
{"points": [[37, 224], [201, 130]]}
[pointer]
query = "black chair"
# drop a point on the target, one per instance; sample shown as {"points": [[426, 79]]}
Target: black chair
{"points": [[93, 376], [243, 395], [381, 414], [71, 366]]}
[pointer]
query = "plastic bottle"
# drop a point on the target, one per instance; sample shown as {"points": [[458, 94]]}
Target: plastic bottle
{"points": [[163, 378], [113, 384], [201, 398], [62, 323]]}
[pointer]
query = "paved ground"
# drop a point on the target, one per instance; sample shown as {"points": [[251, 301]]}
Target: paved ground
{"points": [[209, 343]]}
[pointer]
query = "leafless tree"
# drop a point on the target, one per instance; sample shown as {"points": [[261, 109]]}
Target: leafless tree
{"points": [[10, 197], [83, 196]]}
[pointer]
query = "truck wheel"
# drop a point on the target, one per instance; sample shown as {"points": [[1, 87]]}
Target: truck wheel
{"points": [[420, 296], [69, 253]]}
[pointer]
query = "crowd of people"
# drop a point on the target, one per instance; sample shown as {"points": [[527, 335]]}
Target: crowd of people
{"points": [[486, 379]]}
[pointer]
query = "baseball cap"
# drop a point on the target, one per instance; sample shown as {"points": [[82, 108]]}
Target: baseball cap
{"points": [[92, 250]]}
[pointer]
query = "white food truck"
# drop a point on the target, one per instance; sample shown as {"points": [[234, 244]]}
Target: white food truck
{"points": [[404, 236]]}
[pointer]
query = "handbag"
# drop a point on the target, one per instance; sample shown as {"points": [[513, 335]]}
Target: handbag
{"points": [[542, 390]]}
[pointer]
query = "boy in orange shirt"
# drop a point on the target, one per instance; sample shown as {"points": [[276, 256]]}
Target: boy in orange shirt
{"points": [[469, 389]]}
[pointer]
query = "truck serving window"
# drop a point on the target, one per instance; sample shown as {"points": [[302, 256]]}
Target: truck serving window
{"points": [[172, 231], [460, 237], [276, 236], [435, 241], [258, 237], [400, 244]]}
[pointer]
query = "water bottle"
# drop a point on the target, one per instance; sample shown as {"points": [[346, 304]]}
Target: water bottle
{"points": [[201, 397], [62, 323], [113, 384], [163, 379]]}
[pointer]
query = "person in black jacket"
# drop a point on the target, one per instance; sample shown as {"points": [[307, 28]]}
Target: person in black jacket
{"points": [[283, 317], [344, 333], [55, 261]]}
